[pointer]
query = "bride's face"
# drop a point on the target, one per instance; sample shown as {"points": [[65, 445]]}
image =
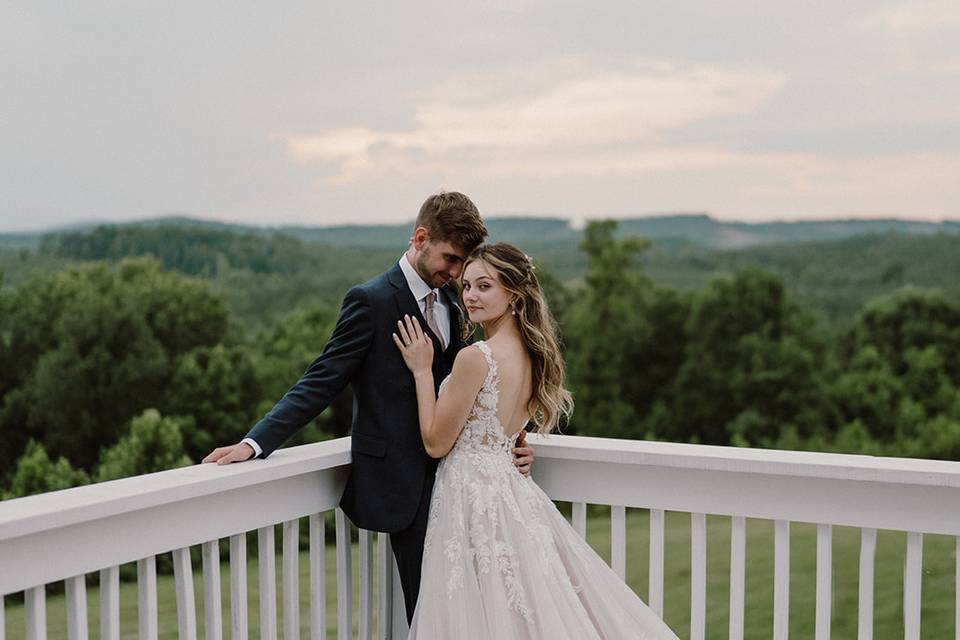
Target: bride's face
{"points": [[483, 295]]}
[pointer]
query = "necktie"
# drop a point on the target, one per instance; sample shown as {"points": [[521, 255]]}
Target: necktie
{"points": [[431, 319]]}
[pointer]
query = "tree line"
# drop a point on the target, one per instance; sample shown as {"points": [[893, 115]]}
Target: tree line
{"points": [[265, 272], [116, 368]]}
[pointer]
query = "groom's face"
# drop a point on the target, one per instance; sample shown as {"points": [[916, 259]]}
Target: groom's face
{"points": [[439, 262]]}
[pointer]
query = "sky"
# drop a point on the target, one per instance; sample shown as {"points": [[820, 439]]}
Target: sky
{"points": [[328, 113]]}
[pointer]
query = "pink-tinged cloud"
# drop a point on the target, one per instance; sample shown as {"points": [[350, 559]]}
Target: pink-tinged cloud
{"points": [[582, 123]]}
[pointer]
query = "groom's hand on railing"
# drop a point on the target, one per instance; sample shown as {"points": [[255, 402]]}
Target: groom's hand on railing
{"points": [[234, 453], [523, 454]]}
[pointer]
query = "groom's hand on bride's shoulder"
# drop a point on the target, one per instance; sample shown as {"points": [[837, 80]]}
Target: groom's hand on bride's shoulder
{"points": [[523, 454], [234, 453]]}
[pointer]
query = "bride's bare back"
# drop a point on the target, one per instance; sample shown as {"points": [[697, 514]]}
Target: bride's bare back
{"points": [[515, 386]]}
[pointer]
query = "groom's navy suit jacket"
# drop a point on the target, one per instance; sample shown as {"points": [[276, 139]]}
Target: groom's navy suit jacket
{"points": [[390, 464]]}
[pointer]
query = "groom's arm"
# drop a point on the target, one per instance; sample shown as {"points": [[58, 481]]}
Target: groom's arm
{"points": [[323, 380]]}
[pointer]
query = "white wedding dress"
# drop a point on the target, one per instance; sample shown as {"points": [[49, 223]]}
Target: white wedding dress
{"points": [[500, 561]]}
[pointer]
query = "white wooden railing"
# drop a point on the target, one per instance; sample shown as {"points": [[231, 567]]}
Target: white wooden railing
{"points": [[64, 535]]}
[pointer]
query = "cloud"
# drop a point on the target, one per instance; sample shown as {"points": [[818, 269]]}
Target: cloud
{"points": [[566, 122], [916, 37], [913, 19], [572, 118]]}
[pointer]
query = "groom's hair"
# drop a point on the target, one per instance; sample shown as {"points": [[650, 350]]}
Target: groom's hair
{"points": [[450, 216]]}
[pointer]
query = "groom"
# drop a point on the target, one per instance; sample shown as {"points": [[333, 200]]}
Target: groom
{"points": [[391, 476]]}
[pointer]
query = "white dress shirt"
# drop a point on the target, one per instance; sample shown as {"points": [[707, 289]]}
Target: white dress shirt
{"points": [[419, 289]]}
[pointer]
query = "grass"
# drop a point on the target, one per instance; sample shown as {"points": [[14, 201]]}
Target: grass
{"points": [[937, 601]]}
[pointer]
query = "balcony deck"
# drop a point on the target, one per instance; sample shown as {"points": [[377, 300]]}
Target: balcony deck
{"points": [[64, 535]]}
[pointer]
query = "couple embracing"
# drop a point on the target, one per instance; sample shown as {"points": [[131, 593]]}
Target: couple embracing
{"points": [[439, 459]]}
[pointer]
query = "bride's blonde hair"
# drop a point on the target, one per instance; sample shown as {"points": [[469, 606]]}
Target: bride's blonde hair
{"points": [[550, 400]]}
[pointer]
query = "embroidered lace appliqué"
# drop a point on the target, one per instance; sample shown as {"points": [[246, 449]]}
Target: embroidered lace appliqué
{"points": [[487, 452]]}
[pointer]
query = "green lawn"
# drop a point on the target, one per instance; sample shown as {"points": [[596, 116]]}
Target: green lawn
{"points": [[938, 580]]}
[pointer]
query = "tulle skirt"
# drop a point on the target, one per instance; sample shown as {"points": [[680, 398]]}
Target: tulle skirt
{"points": [[500, 562]]}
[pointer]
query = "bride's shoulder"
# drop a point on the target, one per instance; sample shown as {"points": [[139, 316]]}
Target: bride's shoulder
{"points": [[471, 354], [471, 361]]}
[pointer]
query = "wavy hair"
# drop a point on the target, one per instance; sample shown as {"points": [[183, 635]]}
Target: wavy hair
{"points": [[550, 401]]}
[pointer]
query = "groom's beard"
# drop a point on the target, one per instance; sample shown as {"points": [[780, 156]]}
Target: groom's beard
{"points": [[435, 279]]}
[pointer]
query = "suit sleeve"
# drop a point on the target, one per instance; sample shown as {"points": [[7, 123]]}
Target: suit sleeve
{"points": [[324, 379]]}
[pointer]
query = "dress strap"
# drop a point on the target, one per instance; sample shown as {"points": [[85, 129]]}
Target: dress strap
{"points": [[488, 356], [485, 349]]}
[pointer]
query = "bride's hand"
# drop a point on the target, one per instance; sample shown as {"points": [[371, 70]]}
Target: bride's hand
{"points": [[415, 346]]}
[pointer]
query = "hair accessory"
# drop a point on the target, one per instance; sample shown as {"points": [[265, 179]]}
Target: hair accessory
{"points": [[530, 262]]}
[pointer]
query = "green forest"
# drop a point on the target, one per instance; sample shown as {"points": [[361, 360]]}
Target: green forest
{"points": [[135, 348]]}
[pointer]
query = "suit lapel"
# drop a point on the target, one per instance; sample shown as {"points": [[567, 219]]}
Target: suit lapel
{"points": [[456, 318], [407, 305]]}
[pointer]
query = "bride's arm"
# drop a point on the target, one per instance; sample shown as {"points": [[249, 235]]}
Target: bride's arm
{"points": [[441, 420]]}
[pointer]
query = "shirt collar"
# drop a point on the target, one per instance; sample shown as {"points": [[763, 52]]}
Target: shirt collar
{"points": [[418, 287]]}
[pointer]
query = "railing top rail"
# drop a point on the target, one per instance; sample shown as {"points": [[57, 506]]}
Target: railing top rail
{"points": [[23, 516], [848, 490], [35, 513], [940, 473]]}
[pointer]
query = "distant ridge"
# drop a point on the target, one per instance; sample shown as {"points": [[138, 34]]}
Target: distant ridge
{"points": [[690, 230], [705, 231]]}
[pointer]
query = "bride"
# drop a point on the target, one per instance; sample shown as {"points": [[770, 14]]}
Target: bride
{"points": [[499, 560]]}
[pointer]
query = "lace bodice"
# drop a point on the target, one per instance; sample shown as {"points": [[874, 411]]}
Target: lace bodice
{"points": [[483, 432]]}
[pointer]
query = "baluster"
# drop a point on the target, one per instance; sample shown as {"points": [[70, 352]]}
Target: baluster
{"points": [[911, 586], [698, 576], [344, 578], [212, 601], [366, 585], [291, 580], [399, 627], [267, 559], [738, 547], [76, 608], [238, 586], [147, 620], [618, 540], [824, 580], [579, 517], [781, 580], [110, 603], [186, 604], [35, 601], [656, 561], [868, 550], [385, 567], [318, 583]]}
